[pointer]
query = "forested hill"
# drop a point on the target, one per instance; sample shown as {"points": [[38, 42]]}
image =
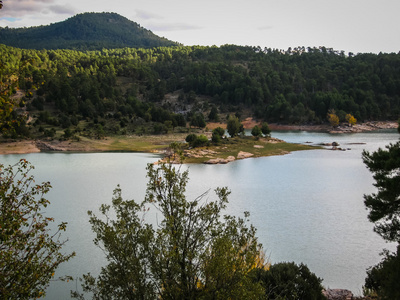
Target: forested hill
{"points": [[88, 31], [133, 90]]}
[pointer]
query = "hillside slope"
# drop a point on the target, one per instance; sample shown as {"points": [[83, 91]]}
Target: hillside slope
{"points": [[88, 31]]}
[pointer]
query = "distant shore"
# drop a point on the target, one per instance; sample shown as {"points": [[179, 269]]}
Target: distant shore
{"points": [[157, 144], [362, 127], [249, 123]]}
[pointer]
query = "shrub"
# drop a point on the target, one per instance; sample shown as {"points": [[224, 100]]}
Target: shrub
{"points": [[256, 131], [289, 281], [200, 141], [220, 131], [190, 138], [384, 278], [265, 129]]}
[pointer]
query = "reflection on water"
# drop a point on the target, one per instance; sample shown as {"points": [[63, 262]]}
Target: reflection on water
{"points": [[307, 206]]}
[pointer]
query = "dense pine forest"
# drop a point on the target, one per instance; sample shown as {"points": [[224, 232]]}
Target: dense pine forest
{"points": [[138, 90]]}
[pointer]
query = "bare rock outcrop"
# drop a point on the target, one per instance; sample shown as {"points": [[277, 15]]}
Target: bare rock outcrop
{"points": [[338, 294], [243, 154], [216, 161]]}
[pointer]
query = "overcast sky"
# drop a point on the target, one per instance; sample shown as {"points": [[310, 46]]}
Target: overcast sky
{"points": [[348, 25]]}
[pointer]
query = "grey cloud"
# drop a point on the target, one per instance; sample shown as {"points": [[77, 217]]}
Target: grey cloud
{"points": [[173, 27], [267, 27], [62, 9], [20, 8], [146, 15]]}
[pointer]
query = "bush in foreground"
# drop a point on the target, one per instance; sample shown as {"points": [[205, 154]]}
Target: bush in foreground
{"points": [[29, 252], [289, 281], [193, 253]]}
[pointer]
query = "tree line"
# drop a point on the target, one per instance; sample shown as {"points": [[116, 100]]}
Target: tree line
{"points": [[131, 86]]}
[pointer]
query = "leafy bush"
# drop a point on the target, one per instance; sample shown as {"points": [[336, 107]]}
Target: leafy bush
{"points": [[256, 131], [190, 138], [384, 278], [30, 252], [289, 281], [220, 131], [217, 135], [265, 129], [200, 141], [196, 141]]}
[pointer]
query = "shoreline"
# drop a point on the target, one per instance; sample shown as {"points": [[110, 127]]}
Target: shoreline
{"points": [[156, 144], [357, 128]]}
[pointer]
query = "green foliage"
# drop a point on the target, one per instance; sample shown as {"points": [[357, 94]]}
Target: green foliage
{"points": [[190, 254], [233, 126], [29, 251], [136, 84], [200, 141], [265, 129], [384, 278], [398, 127], [190, 138], [384, 211], [256, 131], [196, 141], [213, 115], [290, 281], [384, 206], [198, 121], [93, 31], [217, 135], [10, 121], [220, 131]]}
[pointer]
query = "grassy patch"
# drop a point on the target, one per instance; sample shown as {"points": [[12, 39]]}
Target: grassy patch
{"points": [[232, 147]]}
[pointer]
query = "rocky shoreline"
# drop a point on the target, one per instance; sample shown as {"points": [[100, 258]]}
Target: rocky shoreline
{"points": [[342, 128]]}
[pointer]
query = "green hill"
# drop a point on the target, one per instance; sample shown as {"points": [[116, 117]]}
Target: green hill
{"points": [[88, 31]]}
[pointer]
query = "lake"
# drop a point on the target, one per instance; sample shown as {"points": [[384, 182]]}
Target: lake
{"points": [[307, 206]]}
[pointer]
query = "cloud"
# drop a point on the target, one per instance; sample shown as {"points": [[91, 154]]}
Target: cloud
{"points": [[266, 27], [20, 8], [173, 27], [62, 9], [146, 15]]}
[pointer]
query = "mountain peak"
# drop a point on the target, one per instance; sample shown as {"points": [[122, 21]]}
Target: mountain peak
{"points": [[86, 31]]}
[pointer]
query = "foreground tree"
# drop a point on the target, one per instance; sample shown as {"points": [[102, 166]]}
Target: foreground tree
{"points": [[193, 253], [289, 281], [29, 252], [384, 206], [383, 279]]}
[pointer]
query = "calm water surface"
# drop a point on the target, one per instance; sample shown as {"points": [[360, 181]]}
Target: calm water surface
{"points": [[307, 206]]}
